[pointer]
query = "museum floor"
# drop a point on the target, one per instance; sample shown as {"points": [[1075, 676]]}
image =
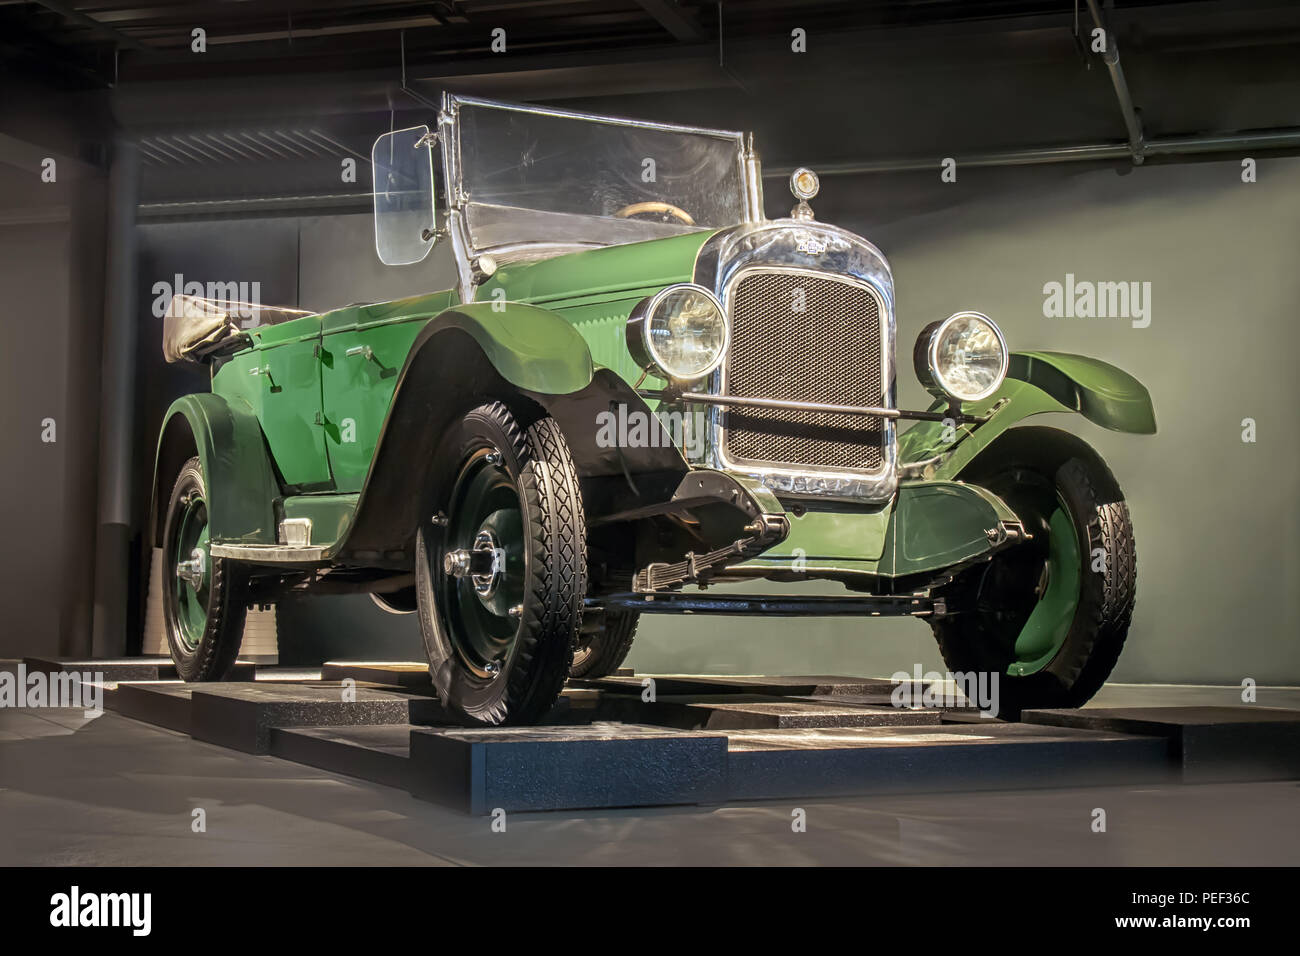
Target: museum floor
{"points": [[115, 791]]}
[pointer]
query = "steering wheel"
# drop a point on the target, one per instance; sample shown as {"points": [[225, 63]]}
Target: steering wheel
{"points": [[639, 208]]}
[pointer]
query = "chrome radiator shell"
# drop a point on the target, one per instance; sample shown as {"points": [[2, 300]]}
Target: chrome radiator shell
{"points": [[819, 252]]}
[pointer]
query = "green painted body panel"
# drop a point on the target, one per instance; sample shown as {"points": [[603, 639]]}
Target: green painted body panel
{"points": [[240, 483], [845, 540], [1097, 390], [285, 396], [610, 272], [929, 526], [307, 386], [595, 290], [414, 307], [940, 523], [602, 327], [1044, 382], [357, 389]]}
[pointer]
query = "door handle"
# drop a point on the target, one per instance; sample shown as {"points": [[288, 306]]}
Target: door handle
{"points": [[364, 351], [264, 370]]}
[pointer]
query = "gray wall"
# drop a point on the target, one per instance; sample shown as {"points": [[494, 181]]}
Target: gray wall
{"points": [[1216, 518], [51, 265]]}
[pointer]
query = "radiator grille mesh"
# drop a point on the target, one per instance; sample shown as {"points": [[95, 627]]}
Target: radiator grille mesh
{"points": [[830, 352]]}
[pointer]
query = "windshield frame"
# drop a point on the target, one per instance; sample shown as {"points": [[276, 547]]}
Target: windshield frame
{"points": [[457, 228]]}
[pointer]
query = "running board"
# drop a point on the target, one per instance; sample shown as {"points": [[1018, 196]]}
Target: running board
{"points": [[270, 553]]}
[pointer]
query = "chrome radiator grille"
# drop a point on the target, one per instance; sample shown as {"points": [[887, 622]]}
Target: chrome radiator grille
{"points": [[829, 352]]}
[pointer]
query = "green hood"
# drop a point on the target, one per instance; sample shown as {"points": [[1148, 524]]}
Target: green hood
{"points": [[599, 275]]}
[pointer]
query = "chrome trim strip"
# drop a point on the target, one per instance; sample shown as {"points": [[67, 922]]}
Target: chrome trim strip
{"points": [[457, 229], [753, 182], [457, 99]]}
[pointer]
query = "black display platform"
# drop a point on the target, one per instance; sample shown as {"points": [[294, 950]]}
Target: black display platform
{"points": [[702, 740], [1207, 743], [549, 768], [125, 668], [241, 716]]}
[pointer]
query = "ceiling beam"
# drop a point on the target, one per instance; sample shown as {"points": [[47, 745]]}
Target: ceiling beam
{"points": [[110, 33], [677, 21]]}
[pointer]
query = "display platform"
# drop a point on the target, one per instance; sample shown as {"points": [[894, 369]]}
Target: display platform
{"points": [[125, 668], [623, 741]]}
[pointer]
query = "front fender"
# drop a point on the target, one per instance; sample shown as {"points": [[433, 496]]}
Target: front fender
{"points": [[1037, 382], [533, 349], [1097, 390], [464, 355], [241, 485]]}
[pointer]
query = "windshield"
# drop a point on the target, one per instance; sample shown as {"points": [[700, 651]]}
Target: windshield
{"points": [[541, 177]]}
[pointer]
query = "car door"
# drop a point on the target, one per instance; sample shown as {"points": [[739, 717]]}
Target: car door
{"points": [[281, 379], [363, 349]]}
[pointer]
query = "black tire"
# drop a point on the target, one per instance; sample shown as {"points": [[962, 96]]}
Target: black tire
{"points": [[1001, 593], [608, 647], [203, 647], [531, 652]]}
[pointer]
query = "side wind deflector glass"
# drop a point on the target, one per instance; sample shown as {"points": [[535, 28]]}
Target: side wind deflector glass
{"points": [[404, 204]]}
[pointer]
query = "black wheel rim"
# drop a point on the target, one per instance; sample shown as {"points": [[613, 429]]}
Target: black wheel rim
{"points": [[482, 612]]}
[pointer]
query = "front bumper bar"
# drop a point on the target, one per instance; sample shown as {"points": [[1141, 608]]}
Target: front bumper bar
{"points": [[953, 413]]}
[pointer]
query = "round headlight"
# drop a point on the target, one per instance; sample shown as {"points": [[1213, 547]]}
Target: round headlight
{"points": [[963, 358], [680, 332]]}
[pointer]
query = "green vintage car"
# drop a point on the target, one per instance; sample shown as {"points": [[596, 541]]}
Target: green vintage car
{"points": [[637, 388]]}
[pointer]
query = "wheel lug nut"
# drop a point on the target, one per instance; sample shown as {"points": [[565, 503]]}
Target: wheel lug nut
{"points": [[456, 563], [493, 457]]}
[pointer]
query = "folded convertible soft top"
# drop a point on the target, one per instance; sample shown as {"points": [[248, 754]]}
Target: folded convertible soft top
{"points": [[195, 329]]}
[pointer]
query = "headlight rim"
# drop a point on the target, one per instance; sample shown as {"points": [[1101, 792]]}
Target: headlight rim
{"points": [[928, 372], [637, 332]]}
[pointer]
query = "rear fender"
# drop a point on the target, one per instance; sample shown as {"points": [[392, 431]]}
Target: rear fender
{"points": [[241, 485]]}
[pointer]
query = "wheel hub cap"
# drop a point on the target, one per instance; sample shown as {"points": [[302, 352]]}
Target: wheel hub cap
{"points": [[193, 570], [484, 564]]}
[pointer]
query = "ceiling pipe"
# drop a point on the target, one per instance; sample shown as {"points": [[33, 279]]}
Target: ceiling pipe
{"points": [[1285, 138], [1110, 56]]}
